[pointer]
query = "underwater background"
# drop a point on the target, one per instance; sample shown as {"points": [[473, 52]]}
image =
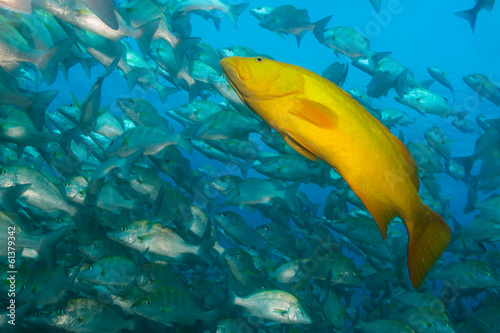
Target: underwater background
{"points": [[184, 272]]}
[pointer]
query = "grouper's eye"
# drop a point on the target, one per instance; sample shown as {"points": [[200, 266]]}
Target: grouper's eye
{"points": [[259, 59]]}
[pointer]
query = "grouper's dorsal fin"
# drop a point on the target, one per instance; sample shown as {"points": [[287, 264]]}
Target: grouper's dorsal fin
{"points": [[408, 162]]}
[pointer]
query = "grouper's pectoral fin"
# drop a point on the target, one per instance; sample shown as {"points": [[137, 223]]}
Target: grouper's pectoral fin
{"points": [[316, 113], [312, 112], [300, 148]]}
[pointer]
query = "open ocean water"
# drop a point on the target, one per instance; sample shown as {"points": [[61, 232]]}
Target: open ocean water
{"points": [[179, 269]]}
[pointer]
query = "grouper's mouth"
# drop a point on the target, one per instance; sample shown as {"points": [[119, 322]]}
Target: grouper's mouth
{"points": [[232, 71]]}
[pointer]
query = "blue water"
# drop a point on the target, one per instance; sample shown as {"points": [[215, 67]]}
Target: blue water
{"points": [[418, 33]]}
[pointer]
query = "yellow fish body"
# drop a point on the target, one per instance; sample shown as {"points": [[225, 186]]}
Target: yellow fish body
{"points": [[320, 120]]}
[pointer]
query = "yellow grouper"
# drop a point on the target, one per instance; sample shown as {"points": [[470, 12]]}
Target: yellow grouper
{"points": [[320, 120]]}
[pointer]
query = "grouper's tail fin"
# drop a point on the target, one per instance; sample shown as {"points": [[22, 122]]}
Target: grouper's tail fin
{"points": [[428, 237]]}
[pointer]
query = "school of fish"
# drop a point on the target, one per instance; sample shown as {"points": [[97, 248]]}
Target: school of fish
{"points": [[110, 223]]}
